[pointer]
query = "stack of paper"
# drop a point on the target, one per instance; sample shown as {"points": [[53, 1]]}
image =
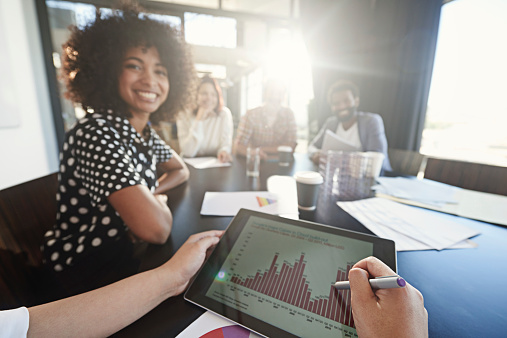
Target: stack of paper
{"points": [[423, 191], [444, 198], [205, 162], [411, 228]]}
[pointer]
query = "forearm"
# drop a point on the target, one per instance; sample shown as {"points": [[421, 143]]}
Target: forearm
{"points": [[163, 225], [225, 144], [172, 179], [175, 174], [103, 311], [145, 214]]}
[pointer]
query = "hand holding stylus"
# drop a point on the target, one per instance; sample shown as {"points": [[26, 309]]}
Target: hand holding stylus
{"points": [[385, 312]]}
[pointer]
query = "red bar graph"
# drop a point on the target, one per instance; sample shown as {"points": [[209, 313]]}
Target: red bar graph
{"points": [[288, 285]]}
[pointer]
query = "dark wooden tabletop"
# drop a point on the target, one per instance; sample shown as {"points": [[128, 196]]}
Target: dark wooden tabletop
{"points": [[463, 289]]}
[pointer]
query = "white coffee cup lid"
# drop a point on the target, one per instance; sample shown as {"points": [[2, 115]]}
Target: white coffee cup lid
{"points": [[284, 148], [309, 177]]}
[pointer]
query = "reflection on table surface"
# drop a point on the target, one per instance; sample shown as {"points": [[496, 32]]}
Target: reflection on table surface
{"points": [[463, 289]]}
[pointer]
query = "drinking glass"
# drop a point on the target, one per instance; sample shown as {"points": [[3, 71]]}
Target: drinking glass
{"points": [[253, 160]]}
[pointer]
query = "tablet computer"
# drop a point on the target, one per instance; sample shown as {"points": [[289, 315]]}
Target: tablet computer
{"points": [[273, 275]]}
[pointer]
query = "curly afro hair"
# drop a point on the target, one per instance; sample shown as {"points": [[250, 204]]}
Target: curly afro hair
{"points": [[92, 59]]}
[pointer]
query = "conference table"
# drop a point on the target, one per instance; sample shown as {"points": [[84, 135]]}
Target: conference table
{"points": [[463, 289]]}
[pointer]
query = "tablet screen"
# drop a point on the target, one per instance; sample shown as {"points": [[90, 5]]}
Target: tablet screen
{"points": [[278, 273]]}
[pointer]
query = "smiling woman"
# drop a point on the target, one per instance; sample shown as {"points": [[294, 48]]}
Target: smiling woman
{"points": [[119, 69]]}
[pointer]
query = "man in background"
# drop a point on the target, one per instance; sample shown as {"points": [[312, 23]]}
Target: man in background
{"points": [[363, 130]]}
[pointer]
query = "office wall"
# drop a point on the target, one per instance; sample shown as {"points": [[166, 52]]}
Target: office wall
{"points": [[28, 145]]}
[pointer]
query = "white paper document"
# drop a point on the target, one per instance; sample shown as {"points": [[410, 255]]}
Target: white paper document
{"points": [[424, 191], [205, 162], [280, 199], [212, 325], [476, 205], [229, 203], [410, 227], [334, 142]]}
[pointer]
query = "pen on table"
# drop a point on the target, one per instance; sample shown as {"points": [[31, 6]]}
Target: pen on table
{"points": [[387, 282]]}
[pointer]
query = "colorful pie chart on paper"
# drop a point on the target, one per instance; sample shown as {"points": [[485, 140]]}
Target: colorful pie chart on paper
{"points": [[233, 331], [264, 201]]}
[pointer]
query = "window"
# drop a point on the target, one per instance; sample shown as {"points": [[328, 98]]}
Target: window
{"points": [[62, 14], [197, 3], [173, 21], [467, 110], [252, 91], [209, 30], [269, 7], [287, 58]]}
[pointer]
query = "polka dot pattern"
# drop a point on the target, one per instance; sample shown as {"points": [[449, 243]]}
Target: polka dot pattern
{"points": [[102, 154]]}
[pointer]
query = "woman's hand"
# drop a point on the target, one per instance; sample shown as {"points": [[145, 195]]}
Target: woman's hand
{"points": [[190, 257], [224, 156], [203, 113], [385, 312]]}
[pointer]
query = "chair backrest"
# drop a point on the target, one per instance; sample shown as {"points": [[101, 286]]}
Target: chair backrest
{"points": [[27, 211], [406, 162], [468, 175]]}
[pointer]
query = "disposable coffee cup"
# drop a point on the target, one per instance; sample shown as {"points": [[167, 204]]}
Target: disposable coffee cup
{"points": [[284, 155], [308, 183]]}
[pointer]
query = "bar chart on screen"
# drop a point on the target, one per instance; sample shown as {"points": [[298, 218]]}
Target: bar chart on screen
{"points": [[283, 276], [289, 285]]}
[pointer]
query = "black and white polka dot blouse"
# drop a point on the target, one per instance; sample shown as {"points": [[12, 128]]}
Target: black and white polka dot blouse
{"points": [[102, 154]]}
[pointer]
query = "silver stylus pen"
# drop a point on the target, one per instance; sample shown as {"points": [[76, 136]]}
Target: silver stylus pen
{"points": [[387, 282]]}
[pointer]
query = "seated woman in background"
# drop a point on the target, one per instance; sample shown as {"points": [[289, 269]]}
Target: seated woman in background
{"points": [[207, 130], [268, 126], [109, 193]]}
